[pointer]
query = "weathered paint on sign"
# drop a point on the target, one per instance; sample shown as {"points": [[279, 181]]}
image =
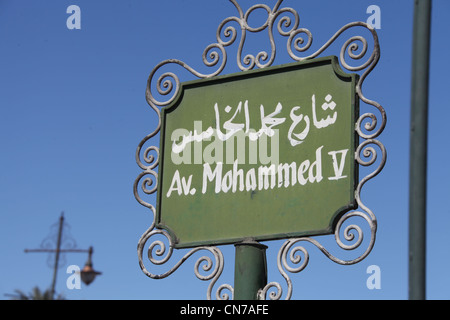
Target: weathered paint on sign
{"points": [[264, 154]]}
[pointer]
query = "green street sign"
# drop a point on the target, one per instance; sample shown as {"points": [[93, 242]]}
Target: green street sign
{"points": [[264, 154]]}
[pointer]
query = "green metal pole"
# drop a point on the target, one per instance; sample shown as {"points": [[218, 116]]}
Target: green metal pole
{"points": [[250, 273], [418, 150]]}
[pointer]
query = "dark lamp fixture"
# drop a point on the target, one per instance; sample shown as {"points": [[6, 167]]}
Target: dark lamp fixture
{"points": [[88, 273]]}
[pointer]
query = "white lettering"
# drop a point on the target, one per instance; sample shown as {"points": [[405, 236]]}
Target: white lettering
{"points": [[238, 174], [73, 281], [338, 169], [375, 19], [301, 170], [322, 123], [296, 120], [374, 280], [250, 180], [175, 185], [209, 175], [73, 21], [285, 167], [317, 165], [197, 310], [181, 185], [261, 178], [241, 131], [270, 120]]}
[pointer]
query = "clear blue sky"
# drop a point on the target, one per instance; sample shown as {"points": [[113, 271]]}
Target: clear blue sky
{"points": [[73, 110]]}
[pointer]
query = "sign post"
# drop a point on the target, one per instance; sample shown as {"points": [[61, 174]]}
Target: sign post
{"points": [[250, 273], [268, 153], [418, 150]]}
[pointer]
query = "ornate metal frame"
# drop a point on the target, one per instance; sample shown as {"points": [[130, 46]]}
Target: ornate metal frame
{"points": [[366, 154]]}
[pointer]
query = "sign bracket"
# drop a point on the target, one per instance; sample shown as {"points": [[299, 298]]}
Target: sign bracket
{"points": [[163, 88]]}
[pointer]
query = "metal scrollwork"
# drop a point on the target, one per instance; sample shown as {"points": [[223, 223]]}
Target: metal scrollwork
{"points": [[369, 126], [159, 248]]}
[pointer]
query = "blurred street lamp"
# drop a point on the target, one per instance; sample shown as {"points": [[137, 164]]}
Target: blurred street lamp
{"points": [[87, 274]]}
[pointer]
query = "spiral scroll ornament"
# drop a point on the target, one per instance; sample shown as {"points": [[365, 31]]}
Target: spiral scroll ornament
{"points": [[162, 90]]}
